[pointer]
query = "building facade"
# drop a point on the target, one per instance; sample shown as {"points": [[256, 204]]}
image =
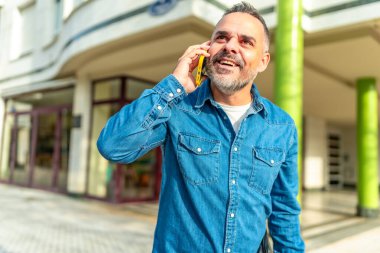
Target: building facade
{"points": [[67, 65]]}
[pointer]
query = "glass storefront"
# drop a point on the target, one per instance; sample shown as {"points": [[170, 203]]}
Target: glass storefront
{"points": [[100, 172], [119, 182], [35, 147], [138, 179], [20, 149], [6, 148], [36, 139]]}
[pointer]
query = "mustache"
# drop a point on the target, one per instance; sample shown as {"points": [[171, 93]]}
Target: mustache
{"points": [[223, 54]]}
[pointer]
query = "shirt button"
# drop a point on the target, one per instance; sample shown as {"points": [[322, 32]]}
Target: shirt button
{"points": [[228, 250], [235, 149], [171, 95], [232, 215], [179, 90], [159, 107], [199, 150], [233, 181], [272, 161]]}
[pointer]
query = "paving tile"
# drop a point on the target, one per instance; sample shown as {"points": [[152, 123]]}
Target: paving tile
{"points": [[34, 221]]}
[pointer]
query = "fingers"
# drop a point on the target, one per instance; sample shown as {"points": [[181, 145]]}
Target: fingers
{"points": [[193, 52], [206, 43], [188, 62]]}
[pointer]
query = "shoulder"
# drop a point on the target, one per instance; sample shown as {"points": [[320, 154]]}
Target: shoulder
{"points": [[275, 115]]}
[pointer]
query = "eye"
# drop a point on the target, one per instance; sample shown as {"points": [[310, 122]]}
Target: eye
{"points": [[221, 38], [248, 43]]}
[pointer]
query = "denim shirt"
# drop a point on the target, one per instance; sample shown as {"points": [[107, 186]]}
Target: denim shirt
{"points": [[218, 188]]}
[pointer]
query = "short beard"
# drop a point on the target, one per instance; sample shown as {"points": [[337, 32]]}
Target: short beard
{"points": [[226, 85]]}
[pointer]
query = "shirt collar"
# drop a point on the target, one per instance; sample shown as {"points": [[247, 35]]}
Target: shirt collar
{"points": [[205, 94]]}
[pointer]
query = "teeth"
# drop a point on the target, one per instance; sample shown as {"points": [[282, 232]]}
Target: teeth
{"points": [[227, 62]]}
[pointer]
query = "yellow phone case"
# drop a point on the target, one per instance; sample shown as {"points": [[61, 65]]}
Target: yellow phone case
{"points": [[198, 77]]}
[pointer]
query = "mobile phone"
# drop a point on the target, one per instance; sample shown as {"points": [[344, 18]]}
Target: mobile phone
{"points": [[201, 70]]}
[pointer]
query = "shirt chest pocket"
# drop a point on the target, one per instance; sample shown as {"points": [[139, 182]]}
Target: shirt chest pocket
{"points": [[266, 166], [198, 159]]}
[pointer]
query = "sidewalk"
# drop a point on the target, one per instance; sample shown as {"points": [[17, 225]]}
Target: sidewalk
{"points": [[33, 221], [329, 224]]}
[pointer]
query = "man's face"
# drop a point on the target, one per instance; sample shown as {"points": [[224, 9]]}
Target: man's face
{"points": [[237, 52]]}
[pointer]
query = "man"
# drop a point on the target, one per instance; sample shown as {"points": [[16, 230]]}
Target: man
{"points": [[230, 155]]}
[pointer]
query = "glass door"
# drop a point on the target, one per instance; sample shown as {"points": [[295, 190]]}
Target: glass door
{"points": [[39, 148], [64, 144], [50, 148], [138, 179], [20, 147], [44, 149], [117, 182], [36, 139]]}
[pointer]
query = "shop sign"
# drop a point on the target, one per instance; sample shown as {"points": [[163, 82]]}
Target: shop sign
{"points": [[161, 7], [77, 121]]}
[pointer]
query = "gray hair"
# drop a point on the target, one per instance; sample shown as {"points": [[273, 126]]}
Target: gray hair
{"points": [[245, 7]]}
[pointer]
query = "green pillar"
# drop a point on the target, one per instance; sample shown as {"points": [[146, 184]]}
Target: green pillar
{"points": [[289, 66], [367, 146]]}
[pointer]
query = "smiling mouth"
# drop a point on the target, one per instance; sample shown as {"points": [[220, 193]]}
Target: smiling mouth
{"points": [[226, 62]]}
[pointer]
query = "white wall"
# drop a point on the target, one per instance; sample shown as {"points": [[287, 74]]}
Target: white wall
{"points": [[315, 153], [79, 139]]}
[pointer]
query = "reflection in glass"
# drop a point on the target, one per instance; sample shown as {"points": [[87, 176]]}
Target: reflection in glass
{"points": [[100, 169], [65, 144], [118, 182], [20, 149], [135, 88], [109, 89], [6, 147], [139, 177], [28, 102], [47, 139], [43, 167]]}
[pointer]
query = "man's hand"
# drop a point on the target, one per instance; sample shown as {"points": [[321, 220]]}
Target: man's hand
{"points": [[187, 63]]}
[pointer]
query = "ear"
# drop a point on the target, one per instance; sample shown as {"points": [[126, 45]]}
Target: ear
{"points": [[264, 62]]}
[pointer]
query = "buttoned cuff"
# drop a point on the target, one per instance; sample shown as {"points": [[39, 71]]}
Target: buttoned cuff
{"points": [[170, 90]]}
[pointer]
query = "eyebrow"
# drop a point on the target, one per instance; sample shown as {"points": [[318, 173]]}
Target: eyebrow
{"points": [[224, 33], [245, 37], [250, 38]]}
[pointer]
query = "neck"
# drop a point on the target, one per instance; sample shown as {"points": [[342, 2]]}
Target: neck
{"points": [[241, 97]]}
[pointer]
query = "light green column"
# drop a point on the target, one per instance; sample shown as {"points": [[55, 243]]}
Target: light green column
{"points": [[367, 146], [289, 66]]}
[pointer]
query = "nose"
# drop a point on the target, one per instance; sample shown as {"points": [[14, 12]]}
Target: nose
{"points": [[232, 46]]}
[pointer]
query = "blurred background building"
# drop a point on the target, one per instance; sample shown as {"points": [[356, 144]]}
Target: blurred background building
{"points": [[67, 65]]}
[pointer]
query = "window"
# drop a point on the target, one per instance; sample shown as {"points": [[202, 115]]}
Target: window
{"points": [[58, 16], [1, 34], [1, 12], [135, 88], [27, 27], [22, 31], [109, 89], [117, 182], [52, 22]]}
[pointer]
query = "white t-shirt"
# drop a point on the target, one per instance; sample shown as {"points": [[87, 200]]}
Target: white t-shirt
{"points": [[235, 113]]}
